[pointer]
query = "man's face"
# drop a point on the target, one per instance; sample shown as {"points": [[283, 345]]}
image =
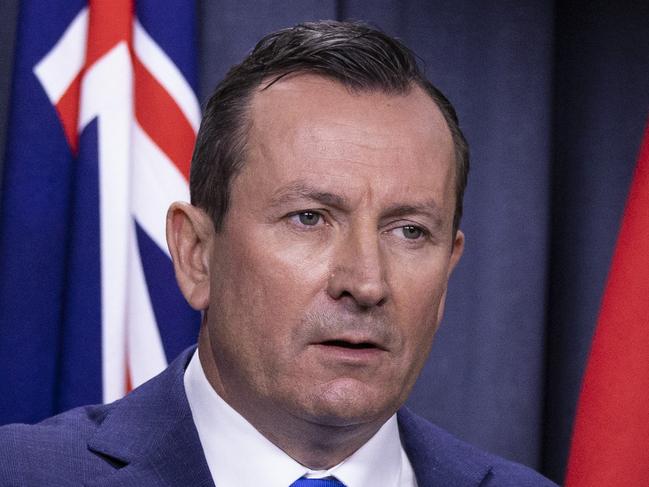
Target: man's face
{"points": [[328, 278]]}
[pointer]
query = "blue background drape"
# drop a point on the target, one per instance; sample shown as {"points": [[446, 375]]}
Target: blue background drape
{"points": [[553, 98]]}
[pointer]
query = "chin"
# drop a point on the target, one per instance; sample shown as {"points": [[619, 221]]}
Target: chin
{"points": [[349, 403]]}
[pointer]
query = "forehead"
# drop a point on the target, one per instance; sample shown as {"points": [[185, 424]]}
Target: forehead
{"points": [[307, 126], [303, 98]]}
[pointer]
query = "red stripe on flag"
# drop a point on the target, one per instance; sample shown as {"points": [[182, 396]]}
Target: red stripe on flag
{"points": [[108, 23], [128, 382], [162, 119], [68, 110], [610, 444]]}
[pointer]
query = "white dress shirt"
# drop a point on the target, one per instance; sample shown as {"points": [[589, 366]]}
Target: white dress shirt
{"points": [[239, 456]]}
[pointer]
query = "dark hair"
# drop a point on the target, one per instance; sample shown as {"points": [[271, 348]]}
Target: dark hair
{"points": [[357, 55]]}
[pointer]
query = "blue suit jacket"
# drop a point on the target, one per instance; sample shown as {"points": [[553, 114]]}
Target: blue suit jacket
{"points": [[148, 438]]}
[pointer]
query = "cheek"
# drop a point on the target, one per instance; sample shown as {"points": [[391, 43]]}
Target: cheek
{"points": [[292, 270], [268, 286], [417, 296]]}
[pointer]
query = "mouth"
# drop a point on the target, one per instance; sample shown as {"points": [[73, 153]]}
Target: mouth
{"points": [[350, 345], [350, 352]]}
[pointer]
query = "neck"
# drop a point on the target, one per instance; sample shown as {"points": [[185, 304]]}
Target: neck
{"points": [[314, 444], [317, 446]]}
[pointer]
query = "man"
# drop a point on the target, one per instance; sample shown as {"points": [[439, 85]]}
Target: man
{"points": [[326, 186]]}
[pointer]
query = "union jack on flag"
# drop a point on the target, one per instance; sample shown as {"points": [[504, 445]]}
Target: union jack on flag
{"points": [[101, 129]]}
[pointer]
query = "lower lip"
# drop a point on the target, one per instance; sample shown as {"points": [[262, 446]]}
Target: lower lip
{"points": [[348, 354]]}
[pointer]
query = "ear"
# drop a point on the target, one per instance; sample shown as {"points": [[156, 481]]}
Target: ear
{"points": [[190, 235], [456, 253]]}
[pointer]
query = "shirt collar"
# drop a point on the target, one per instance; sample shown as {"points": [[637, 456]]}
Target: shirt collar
{"points": [[238, 455]]}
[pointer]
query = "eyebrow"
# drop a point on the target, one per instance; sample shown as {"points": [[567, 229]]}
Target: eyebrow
{"points": [[429, 209], [300, 191]]}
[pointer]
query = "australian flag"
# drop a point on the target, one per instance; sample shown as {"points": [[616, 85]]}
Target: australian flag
{"points": [[101, 129]]}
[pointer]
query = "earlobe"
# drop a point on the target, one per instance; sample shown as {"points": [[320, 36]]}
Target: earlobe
{"points": [[190, 237]]}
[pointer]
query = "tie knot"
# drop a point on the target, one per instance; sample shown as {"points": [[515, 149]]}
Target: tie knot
{"points": [[326, 482]]}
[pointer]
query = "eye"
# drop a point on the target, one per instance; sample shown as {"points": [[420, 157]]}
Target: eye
{"points": [[308, 218], [412, 232]]}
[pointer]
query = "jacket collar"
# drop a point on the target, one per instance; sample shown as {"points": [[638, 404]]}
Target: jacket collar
{"points": [[438, 458], [151, 435]]}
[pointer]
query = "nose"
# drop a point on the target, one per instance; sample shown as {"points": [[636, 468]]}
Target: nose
{"points": [[358, 270]]}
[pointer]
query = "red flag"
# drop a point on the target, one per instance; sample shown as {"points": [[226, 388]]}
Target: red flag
{"points": [[610, 445]]}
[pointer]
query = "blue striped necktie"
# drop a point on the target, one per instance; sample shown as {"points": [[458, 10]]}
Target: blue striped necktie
{"points": [[326, 482]]}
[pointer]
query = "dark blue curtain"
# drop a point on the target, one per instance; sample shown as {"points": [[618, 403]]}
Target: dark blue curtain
{"points": [[553, 99]]}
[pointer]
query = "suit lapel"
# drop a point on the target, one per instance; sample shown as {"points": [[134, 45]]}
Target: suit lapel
{"points": [[150, 436], [439, 459]]}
